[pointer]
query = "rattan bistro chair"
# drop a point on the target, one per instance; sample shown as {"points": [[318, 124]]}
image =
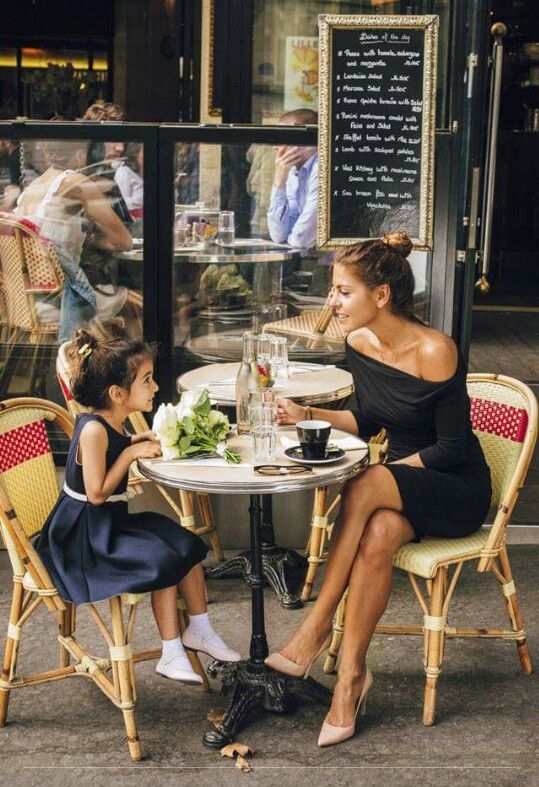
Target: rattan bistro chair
{"points": [[504, 418], [28, 491], [30, 271], [185, 513]]}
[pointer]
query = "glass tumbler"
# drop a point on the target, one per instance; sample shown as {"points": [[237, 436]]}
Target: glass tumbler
{"points": [[264, 444], [279, 358], [226, 231], [262, 414]]}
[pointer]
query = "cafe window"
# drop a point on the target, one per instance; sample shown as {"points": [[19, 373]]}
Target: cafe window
{"points": [[285, 51], [240, 264], [71, 232]]}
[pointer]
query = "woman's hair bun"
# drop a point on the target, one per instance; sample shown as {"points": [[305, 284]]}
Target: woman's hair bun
{"points": [[399, 242]]}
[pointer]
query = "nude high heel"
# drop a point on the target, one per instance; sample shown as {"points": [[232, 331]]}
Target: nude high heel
{"points": [[329, 735], [280, 663]]}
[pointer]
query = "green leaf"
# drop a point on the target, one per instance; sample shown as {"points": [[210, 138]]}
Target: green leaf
{"points": [[184, 443], [188, 425], [203, 405]]}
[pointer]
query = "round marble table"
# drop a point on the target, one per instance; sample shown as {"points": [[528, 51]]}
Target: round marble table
{"points": [[309, 383], [317, 385], [251, 683]]}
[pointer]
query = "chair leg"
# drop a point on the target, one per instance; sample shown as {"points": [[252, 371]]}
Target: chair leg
{"points": [[12, 648], [336, 639], [513, 611], [123, 658], [65, 627], [434, 631], [207, 518], [316, 541]]}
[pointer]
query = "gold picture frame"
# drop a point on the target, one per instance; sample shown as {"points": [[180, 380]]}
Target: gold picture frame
{"points": [[328, 23]]}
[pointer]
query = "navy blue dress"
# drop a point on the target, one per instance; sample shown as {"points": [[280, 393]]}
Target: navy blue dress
{"points": [[93, 552], [450, 496]]}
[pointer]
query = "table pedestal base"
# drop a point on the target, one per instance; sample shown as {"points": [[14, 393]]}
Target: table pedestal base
{"points": [[276, 562], [254, 688]]}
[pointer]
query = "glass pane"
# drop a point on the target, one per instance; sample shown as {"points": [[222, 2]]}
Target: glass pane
{"points": [[8, 83], [267, 273], [78, 210], [285, 52]]}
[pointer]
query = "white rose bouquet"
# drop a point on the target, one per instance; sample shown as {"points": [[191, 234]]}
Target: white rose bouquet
{"points": [[192, 428]]}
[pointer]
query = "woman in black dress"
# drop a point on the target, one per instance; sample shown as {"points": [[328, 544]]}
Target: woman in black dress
{"points": [[410, 380]]}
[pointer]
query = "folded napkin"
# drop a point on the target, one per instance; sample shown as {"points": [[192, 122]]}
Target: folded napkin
{"points": [[346, 443]]}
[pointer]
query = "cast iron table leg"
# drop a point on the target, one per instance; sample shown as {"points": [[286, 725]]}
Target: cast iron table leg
{"points": [[276, 562], [253, 685]]}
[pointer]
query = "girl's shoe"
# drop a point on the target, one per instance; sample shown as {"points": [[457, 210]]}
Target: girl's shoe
{"points": [[176, 669], [212, 645], [280, 663], [329, 735]]}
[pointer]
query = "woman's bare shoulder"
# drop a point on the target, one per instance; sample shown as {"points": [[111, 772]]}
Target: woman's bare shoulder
{"points": [[437, 355], [361, 340]]}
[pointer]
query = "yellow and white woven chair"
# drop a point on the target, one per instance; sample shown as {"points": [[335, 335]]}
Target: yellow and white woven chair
{"points": [[504, 418], [185, 513], [30, 271], [28, 491]]}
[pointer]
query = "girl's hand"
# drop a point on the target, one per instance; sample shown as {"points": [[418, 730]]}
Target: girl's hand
{"points": [[148, 435], [288, 412], [147, 449]]}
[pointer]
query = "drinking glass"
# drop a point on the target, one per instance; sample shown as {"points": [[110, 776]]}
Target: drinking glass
{"points": [[264, 444], [279, 358], [182, 229], [263, 415], [226, 231]]}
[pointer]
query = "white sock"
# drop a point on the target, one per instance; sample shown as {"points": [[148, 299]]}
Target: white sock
{"points": [[173, 649], [200, 625]]}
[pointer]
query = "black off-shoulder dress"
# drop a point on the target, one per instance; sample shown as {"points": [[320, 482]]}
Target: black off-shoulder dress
{"points": [[450, 496]]}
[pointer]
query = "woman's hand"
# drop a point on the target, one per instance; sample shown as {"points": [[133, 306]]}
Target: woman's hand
{"points": [[288, 412], [148, 449]]}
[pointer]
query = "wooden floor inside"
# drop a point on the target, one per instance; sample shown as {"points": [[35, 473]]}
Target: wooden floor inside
{"points": [[506, 343]]}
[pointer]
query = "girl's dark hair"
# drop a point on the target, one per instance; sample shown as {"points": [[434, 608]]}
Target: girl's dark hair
{"points": [[99, 363], [383, 261]]}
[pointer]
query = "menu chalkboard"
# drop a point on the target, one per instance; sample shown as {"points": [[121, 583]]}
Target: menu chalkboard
{"points": [[377, 89]]}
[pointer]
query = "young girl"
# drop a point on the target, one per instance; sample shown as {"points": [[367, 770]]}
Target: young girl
{"points": [[90, 544]]}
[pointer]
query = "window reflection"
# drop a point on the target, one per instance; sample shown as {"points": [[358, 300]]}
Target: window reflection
{"points": [[70, 251], [267, 276]]}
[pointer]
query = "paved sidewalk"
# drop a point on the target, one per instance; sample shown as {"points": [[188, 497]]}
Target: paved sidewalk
{"points": [[67, 733]]}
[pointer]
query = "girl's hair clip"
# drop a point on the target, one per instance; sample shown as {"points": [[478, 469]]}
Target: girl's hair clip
{"points": [[85, 350]]}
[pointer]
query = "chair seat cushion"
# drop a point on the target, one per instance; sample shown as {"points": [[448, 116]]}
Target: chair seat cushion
{"points": [[424, 557]]}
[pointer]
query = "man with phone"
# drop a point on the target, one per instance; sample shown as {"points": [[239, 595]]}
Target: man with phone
{"points": [[294, 196]]}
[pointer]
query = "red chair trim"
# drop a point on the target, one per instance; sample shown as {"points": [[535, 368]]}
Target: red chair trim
{"points": [[499, 419], [22, 444]]}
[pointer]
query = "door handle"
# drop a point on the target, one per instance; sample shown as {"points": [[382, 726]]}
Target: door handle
{"points": [[498, 31]]}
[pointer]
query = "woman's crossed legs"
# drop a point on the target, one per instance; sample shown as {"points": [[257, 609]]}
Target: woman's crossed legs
{"points": [[370, 528]]}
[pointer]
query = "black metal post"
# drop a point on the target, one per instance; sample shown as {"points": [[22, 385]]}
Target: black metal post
{"points": [[259, 646]]}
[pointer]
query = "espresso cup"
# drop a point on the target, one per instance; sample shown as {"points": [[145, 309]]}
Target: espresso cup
{"points": [[313, 437]]}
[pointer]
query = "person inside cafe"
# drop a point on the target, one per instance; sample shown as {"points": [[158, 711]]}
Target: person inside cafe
{"points": [[410, 380], [63, 203], [104, 160], [294, 195]]}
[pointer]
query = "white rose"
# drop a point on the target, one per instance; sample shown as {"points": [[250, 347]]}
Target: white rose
{"points": [[185, 405], [166, 426]]}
